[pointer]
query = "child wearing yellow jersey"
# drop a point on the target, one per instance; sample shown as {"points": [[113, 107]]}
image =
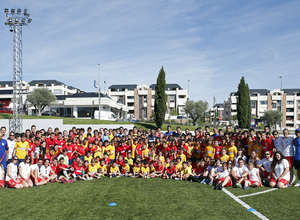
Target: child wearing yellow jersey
{"points": [[111, 150], [232, 150], [223, 156], [125, 168], [144, 173], [182, 155], [93, 170], [136, 170], [145, 152], [102, 168], [114, 170], [88, 157]]}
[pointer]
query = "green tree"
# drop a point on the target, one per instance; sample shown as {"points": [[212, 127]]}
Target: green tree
{"points": [[243, 105], [40, 98], [272, 117], [160, 106], [195, 110]]}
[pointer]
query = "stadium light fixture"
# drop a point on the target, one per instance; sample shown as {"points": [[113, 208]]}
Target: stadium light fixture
{"points": [[16, 21]]}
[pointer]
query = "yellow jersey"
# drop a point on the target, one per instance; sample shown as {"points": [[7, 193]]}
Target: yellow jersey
{"points": [[99, 152], [136, 169], [258, 149], [133, 147], [210, 151], [183, 157], [130, 161], [21, 148], [102, 168], [232, 151], [126, 169], [190, 151], [162, 159], [145, 153], [145, 170], [224, 158], [178, 166], [111, 151], [93, 169], [114, 169], [185, 171], [89, 159]]}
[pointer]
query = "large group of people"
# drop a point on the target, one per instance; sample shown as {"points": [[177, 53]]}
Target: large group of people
{"points": [[222, 158]]}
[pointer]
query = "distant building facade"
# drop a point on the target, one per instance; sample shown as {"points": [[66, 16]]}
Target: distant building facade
{"points": [[286, 100], [140, 99], [71, 102]]}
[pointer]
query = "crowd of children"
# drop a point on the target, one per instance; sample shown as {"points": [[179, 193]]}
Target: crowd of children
{"points": [[241, 159]]}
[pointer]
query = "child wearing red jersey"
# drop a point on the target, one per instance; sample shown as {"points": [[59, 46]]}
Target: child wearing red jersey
{"points": [[170, 171], [217, 148], [199, 170], [159, 171], [50, 155], [62, 170]]}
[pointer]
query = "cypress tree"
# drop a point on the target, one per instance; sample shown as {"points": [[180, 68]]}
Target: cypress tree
{"points": [[160, 106], [243, 105]]}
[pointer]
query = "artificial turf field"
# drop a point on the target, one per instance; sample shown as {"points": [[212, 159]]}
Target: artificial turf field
{"points": [[143, 199]]}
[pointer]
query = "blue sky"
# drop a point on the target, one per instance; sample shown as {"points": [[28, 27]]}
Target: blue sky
{"points": [[211, 43]]}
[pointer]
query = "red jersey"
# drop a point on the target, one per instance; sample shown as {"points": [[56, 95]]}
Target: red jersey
{"points": [[267, 145], [217, 152], [107, 161], [70, 150], [128, 149], [160, 168], [50, 143], [59, 168], [50, 157], [120, 163], [79, 170], [164, 150], [199, 170], [60, 143], [54, 168], [80, 151], [122, 150], [171, 170], [139, 149]]}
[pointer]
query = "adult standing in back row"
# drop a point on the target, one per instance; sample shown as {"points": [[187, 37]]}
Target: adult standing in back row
{"points": [[3, 149]]}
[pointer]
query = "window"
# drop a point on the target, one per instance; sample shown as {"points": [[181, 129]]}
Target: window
{"points": [[130, 97], [290, 102], [140, 106], [57, 92], [289, 110], [263, 102], [181, 96], [130, 104], [253, 104], [121, 99], [274, 105], [145, 99], [85, 112], [172, 98]]}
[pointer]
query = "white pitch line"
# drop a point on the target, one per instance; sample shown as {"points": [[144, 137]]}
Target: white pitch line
{"points": [[258, 214], [257, 193]]}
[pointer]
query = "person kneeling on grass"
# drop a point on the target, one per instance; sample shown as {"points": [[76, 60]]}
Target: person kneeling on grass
{"points": [[170, 171], [144, 173], [79, 170], [125, 169], [114, 170], [11, 178], [186, 172], [93, 170], [35, 173], [46, 172], [24, 173], [62, 170], [223, 178], [102, 169], [254, 177], [159, 171], [239, 174], [280, 171]]}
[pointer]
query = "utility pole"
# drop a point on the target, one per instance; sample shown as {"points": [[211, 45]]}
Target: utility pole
{"points": [[99, 91]]}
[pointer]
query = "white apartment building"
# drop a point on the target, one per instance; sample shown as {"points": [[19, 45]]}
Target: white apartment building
{"points": [[140, 98], [287, 101], [71, 102]]}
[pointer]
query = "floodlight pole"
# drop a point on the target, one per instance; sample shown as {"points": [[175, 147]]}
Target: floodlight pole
{"points": [[16, 19]]}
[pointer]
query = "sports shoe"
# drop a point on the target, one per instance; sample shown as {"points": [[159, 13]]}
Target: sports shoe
{"points": [[210, 183], [246, 187], [238, 185], [297, 184], [219, 186], [70, 181], [288, 185], [63, 180], [203, 181]]}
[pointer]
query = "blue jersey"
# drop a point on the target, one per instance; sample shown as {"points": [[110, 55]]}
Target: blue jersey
{"points": [[297, 147], [3, 149]]}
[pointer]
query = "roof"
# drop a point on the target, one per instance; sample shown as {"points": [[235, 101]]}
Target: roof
{"points": [[173, 86], [3, 83], [219, 105], [260, 91], [123, 87], [291, 91], [47, 82], [81, 95]]}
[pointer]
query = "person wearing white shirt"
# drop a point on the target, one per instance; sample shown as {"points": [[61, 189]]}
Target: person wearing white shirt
{"points": [[280, 171], [223, 178], [239, 173], [11, 178], [288, 151], [46, 171], [254, 177], [11, 146], [265, 166], [24, 173]]}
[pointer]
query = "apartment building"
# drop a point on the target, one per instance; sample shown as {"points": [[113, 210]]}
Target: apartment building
{"points": [[140, 98], [286, 100]]}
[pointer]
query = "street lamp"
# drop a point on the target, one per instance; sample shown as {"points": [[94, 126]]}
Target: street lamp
{"points": [[15, 19], [99, 90]]}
